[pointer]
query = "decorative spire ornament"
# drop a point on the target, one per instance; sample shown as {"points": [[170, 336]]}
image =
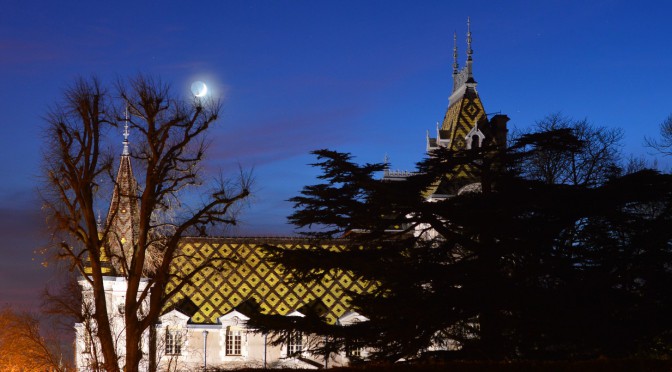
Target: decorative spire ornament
{"points": [[455, 65], [469, 50], [125, 151], [470, 76]]}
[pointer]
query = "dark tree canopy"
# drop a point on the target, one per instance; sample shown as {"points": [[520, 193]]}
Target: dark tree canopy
{"points": [[529, 267]]}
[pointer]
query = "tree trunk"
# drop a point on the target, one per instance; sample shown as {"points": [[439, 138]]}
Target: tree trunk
{"points": [[133, 347], [104, 332], [152, 349]]}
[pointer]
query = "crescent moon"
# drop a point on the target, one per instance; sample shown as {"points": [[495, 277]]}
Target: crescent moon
{"points": [[199, 89]]}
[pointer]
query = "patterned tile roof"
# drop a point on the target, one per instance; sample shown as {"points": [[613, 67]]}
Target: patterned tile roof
{"points": [[241, 273]]}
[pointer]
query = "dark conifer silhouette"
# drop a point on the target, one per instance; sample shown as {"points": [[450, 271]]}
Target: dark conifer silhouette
{"points": [[522, 268]]}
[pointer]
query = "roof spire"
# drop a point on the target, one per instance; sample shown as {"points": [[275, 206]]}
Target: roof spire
{"points": [[469, 51], [455, 65], [125, 151]]}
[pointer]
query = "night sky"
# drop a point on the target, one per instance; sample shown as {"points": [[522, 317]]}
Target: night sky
{"points": [[366, 77]]}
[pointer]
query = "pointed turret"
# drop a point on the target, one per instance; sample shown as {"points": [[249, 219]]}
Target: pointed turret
{"points": [[123, 216], [465, 109], [465, 124]]}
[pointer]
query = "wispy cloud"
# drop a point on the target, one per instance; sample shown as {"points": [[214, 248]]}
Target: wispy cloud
{"points": [[259, 143], [17, 52]]}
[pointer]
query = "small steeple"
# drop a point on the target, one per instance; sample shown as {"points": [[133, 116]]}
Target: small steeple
{"points": [[123, 216]]}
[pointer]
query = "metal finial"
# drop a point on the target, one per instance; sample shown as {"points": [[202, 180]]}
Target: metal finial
{"points": [[125, 152], [469, 50], [455, 65], [386, 160], [99, 221]]}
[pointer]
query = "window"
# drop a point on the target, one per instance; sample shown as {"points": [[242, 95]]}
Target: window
{"points": [[294, 344], [233, 341], [475, 142], [353, 349], [173, 342], [353, 352]]}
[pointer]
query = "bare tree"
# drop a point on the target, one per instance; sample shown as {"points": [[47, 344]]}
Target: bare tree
{"points": [[64, 302], [169, 144], [664, 143], [592, 159], [64, 306]]}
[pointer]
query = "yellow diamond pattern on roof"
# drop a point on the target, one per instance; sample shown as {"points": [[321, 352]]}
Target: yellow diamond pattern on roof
{"points": [[225, 251], [188, 250], [241, 272], [234, 279], [244, 289], [188, 290], [207, 289], [273, 300], [328, 299], [207, 310], [345, 280]]}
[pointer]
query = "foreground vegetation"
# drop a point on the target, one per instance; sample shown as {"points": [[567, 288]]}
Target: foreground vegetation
{"points": [[600, 365], [551, 248]]}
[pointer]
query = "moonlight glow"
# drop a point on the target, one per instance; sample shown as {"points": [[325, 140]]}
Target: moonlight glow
{"points": [[199, 89]]}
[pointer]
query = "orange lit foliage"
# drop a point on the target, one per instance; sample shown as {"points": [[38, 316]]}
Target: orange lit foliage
{"points": [[22, 348]]}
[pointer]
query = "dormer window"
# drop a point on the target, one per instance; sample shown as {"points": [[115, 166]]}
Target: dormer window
{"points": [[474, 139]]}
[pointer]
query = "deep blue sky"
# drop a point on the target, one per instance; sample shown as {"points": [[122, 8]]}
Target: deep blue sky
{"points": [[367, 77]]}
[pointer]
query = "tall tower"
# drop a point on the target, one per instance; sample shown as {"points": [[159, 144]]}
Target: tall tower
{"points": [[123, 216]]}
